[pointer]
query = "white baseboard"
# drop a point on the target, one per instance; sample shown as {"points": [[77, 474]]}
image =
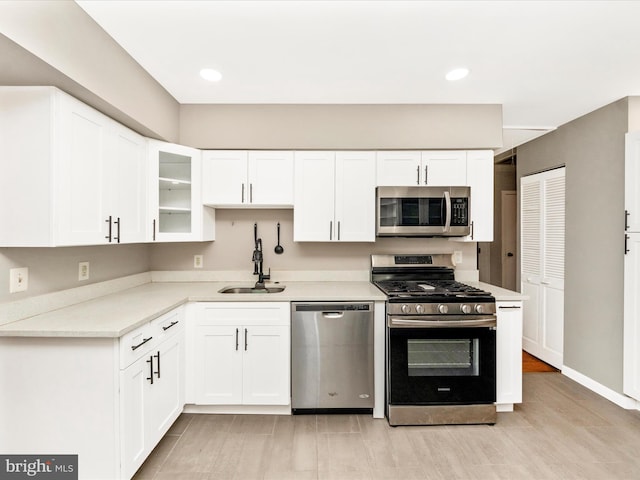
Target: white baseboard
{"points": [[611, 395]]}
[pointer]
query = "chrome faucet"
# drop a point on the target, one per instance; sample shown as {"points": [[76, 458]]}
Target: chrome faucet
{"points": [[257, 265]]}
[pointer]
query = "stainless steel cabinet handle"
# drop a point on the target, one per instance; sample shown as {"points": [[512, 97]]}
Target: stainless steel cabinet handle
{"points": [[472, 230], [251, 193], [418, 175], [245, 340], [510, 307], [426, 174], [331, 230], [237, 331], [338, 229], [154, 229], [242, 193]]}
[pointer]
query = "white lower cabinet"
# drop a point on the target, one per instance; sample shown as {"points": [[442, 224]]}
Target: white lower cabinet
{"points": [[241, 353], [508, 355], [151, 388]]}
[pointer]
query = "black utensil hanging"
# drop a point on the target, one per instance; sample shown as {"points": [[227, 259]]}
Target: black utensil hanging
{"points": [[279, 248]]}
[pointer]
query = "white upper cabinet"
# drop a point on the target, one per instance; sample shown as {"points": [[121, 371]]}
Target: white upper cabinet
{"points": [[444, 168], [334, 197], [431, 167], [479, 176], [175, 207], [402, 168], [77, 176], [239, 178], [632, 182]]}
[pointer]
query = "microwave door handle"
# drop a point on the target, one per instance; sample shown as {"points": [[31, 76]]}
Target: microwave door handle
{"points": [[447, 206]]}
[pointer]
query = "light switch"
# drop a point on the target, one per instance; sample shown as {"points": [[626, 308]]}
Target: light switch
{"points": [[18, 279]]}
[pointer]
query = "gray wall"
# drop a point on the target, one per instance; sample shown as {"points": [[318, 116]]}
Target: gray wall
{"points": [[592, 148], [341, 126], [57, 43], [54, 269], [234, 245]]}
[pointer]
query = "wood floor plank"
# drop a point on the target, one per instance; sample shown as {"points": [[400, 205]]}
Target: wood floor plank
{"points": [[561, 431]]}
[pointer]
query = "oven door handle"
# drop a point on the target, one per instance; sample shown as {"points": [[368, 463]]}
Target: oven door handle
{"points": [[472, 322]]}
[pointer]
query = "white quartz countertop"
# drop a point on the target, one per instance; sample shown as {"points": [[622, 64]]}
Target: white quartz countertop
{"points": [[113, 315], [501, 294], [116, 314]]}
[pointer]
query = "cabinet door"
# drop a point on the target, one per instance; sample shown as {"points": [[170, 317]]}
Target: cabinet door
{"points": [[219, 365], [224, 177], [509, 353], [313, 213], [444, 168], [266, 365], [355, 197], [135, 388], [632, 181], [167, 392], [631, 377], [128, 164], [270, 178], [398, 168], [81, 186], [176, 209], [480, 179]]}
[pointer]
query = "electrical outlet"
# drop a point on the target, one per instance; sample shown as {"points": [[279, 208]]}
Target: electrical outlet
{"points": [[18, 279], [457, 257], [198, 261], [83, 271]]}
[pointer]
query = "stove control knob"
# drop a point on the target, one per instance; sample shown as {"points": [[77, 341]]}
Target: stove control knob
{"points": [[443, 308], [479, 308], [464, 308], [419, 309], [405, 308]]}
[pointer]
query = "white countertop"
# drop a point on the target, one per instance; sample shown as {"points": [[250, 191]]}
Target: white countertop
{"points": [[113, 315]]}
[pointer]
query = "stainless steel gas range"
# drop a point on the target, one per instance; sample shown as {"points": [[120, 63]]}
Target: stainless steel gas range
{"points": [[440, 342]]}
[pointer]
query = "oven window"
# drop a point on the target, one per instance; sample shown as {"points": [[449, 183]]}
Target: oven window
{"points": [[443, 357]]}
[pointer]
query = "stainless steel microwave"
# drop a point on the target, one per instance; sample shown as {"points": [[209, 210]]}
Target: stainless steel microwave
{"points": [[423, 211]]}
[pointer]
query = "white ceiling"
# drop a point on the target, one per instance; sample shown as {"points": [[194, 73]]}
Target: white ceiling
{"points": [[546, 62]]}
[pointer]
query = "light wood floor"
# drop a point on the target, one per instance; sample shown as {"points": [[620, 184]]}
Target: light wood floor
{"points": [[560, 431]]}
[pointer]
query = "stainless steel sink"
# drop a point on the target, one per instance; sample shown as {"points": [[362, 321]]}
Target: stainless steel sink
{"points": [[251, 290]]}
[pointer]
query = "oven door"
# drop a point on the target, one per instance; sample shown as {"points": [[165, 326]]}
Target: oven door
{"points": [[441, 366]]}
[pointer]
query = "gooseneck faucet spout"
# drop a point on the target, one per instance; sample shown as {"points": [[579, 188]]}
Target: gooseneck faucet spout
{"points": [[257, 262]]}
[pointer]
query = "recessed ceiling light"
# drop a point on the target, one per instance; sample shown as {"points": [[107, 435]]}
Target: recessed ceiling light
{"points": [[457, 74], [211, 74]]}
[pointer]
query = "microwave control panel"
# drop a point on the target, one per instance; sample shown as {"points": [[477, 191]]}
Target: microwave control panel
{"points": [[459, 212]]}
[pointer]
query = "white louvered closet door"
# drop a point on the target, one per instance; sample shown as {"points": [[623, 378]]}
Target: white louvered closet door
{"points": [[542, 270]]}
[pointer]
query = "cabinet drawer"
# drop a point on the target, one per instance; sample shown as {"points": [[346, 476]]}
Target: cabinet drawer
{"points": [[169, 324], [246, 313], [137, 343]]}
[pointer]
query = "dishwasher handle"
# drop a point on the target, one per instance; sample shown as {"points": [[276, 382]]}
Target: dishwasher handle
{"points": [[333, 314]]}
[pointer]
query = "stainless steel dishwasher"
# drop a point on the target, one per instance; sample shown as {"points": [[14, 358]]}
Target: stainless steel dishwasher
{"points": [[332, 357]]}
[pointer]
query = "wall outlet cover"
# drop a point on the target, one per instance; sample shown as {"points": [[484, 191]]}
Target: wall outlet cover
{"points": [[83, 271], [198, 261], [457, 257], [18, 279]]}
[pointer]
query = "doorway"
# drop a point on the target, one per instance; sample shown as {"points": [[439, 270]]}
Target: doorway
{"points": [[509, 239]]}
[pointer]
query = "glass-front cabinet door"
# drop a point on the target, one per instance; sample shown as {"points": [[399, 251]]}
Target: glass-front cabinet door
{"points": [[176, 206]]}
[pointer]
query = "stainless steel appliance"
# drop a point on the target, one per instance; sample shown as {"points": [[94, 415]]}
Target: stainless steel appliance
{"points": [[423, 211], [441, 343], [332, 357]]}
